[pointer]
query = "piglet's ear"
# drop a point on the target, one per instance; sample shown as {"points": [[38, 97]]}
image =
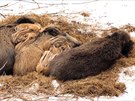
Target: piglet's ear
{"points": [[24, 20], [51, 31]]}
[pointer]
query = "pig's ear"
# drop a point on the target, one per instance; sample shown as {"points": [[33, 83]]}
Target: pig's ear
{"points": [[24, 20], [52, 31]]}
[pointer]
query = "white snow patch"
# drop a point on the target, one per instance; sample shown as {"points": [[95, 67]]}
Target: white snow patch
{"points": [[1, 85], [132, 34], [34, 88], [55, 84], [129, 81]]}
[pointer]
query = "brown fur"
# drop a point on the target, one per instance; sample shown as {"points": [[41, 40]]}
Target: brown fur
{"points": [[25, 32], [7, 52], [90, 58], [35, 27], [58, 45], [29, 55], [24, 19], [42, 65]]}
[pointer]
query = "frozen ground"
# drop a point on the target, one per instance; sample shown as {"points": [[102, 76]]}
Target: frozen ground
{"points": [[106, 13]]}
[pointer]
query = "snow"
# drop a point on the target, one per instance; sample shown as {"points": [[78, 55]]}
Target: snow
{"points": [[112, 12], [132, 34], [129, 80]]}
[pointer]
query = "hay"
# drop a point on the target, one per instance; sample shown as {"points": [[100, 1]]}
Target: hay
{"points": [[33, 83], [105, 83], [22, 82]]}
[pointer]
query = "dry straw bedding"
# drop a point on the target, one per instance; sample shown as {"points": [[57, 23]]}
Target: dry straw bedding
{"points": [[105, 83]]}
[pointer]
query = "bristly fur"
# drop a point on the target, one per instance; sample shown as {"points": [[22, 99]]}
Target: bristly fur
{"points": [[7, 51], [91, 58], [24, 19], [28, 56]]}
